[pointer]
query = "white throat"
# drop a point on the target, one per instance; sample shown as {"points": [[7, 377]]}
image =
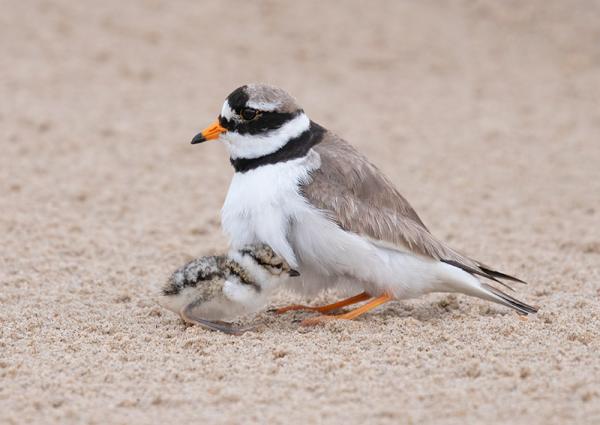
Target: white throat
{"points": [[254, 146]]}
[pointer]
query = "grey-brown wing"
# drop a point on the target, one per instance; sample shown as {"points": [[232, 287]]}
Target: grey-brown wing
{"points": [[362, 200]]}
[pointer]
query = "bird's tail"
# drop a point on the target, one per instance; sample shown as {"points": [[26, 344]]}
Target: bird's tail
{"points": [[459, 280], [509, 301]]}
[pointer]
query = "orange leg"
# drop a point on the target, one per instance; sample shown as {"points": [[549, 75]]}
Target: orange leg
{"points": [[351, 314], [329, 307]]}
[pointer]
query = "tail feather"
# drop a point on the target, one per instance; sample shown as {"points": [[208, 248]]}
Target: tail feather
{"points": [[459, 278], [499, 275], [510, 301], [481, 272]]}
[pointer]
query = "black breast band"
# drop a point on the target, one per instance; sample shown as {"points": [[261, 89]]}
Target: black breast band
{"points": [[294, 148]]}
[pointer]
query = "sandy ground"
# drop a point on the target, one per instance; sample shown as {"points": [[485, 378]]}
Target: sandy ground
{"points": [[485, 114]]}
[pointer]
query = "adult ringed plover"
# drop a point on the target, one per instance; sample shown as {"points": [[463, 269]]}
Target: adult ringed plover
{"points": [[329, 212]]}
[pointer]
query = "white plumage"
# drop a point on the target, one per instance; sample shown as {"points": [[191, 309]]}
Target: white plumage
{"points": [[376, 242]]}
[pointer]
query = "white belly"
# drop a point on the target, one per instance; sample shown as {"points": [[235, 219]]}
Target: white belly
{"points": [[330, 256], [263, 205], [263, 202]]}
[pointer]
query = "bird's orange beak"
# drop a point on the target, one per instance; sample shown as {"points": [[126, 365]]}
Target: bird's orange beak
{"points": [[211, 132]]}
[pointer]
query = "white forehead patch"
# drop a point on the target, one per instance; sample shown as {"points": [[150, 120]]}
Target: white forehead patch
{"points": [[226, 111]]}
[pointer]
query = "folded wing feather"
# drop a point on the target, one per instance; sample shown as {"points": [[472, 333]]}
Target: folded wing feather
{"points": [[360, 199]]}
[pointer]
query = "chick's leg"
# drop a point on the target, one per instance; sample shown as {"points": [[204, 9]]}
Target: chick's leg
{"points": [[187, 315], [351, 314], [325, 308]]}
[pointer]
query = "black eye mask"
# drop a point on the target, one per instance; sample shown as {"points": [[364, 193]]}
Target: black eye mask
{"points": [[265, 121], [249, 114]]}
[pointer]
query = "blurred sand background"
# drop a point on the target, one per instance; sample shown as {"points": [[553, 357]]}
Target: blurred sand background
{"points": [[485, 114]]}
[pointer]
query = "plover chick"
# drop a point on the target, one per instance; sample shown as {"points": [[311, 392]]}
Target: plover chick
{"points": [[331, 213], [211, 289]]}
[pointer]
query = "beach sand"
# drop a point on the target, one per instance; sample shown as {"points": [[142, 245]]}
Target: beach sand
{"points": [[486, 115]]}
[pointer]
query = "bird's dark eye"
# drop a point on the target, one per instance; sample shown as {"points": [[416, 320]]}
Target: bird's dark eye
{"points": [[249, 114]]}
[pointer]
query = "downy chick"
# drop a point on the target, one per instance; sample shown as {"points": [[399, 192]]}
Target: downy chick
{"points": [[211, 289]]}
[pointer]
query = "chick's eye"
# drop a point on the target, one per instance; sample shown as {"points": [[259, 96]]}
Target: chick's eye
{"points": [[249, 114]]}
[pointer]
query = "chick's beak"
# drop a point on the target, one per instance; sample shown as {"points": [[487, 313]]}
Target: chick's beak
{"points": [[211, 132]]}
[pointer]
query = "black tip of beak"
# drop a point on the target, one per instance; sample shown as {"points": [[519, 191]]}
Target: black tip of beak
{"points": [[198, 138], [294, 273]]}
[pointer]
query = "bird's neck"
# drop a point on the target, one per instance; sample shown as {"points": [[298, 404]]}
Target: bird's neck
{"points": [[292, 148]]}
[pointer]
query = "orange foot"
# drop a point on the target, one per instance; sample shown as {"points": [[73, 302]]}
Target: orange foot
{"points": [[350, 315], [325, 308]]}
